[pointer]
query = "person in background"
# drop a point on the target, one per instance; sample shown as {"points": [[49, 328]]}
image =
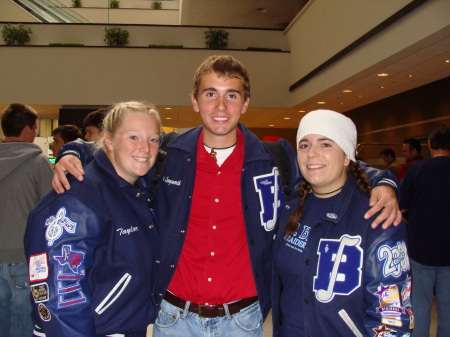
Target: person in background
{"points": [[411, 150], [388, 156], [425, 197], [333, 274], [25, 178], [64, 134], [92, 251], [218, 200], [93, 124]]}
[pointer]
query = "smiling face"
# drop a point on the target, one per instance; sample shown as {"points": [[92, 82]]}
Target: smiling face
{"points": [[134, 146], [322, 163], [220, 102]]}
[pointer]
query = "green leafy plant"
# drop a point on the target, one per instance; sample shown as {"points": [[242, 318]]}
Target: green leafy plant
{"points": [[216, 38], [114, 3], [156, 5], [116, 36], [165, 45], [76, 3], [16, 34]]}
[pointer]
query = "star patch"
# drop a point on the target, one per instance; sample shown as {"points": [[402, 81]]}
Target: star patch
{"points": [[71, 258]]}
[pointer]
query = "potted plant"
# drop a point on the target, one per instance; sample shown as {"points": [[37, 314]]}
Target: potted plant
{"points": [[116, 36], [76, 3], [156, 5], [114, 3], [16, 34], [216, 38]]}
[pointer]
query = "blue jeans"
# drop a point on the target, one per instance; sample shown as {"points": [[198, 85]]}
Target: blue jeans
{"points": [[175, 322], [15, 305], [425, 279]]}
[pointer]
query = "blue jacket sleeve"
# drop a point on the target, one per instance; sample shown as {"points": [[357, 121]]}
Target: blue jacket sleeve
{"points": [[387, 284], [60, 240], [380, 177], [80, 148]]}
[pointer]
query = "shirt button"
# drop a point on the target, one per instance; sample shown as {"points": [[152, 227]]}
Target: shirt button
{"points": [[209, 279], [138, 195], [216, 200], [157, 261], [172, 266], [308, 262], [214, 227], [288, 207], [306, 301], [188, 160], [219, 172], [212, 253], [151, 226], [183, 231]]}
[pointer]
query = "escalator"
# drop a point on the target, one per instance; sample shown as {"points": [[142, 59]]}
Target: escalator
{"points": [[50, 11]]}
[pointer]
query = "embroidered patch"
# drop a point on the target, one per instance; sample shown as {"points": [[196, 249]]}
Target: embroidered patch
{"points": [[268, 186], [339, 267], [44, 313], [40, 292], [382, 331], [38, 267], [406, 301], [396, 259], [298, 242], [70, 272], [56, 225], [390, 307]]}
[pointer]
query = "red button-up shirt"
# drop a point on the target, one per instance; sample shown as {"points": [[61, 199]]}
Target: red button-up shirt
{"points": [[214, 267]]}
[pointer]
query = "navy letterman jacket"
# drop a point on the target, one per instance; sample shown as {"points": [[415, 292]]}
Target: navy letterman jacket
{"points": [[92, 255], [356, 280], [260, 188]]}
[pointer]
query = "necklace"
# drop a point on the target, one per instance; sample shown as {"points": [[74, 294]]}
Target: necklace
{"points": [[213, 153], [340, 188]]}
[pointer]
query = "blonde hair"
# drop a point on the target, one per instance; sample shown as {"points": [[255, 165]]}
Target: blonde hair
{"points": [[117, 113]]}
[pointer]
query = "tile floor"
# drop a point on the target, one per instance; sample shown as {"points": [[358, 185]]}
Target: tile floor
{"points": [[268, 325]]}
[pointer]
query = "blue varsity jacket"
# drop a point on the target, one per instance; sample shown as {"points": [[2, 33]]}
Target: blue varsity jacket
{"points": [[356, 280], [92, 255]]}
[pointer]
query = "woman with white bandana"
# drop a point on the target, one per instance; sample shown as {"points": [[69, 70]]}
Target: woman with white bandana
{"points": [[333, 274]]}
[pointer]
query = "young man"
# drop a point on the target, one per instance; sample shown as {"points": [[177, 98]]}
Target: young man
{"points": [[388, 156], [93, 124], [25, 178], [64, 134], [411, 150], [218, 201]]}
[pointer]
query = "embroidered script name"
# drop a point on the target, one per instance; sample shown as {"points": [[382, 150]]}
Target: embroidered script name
{"points": [[127, 231]]}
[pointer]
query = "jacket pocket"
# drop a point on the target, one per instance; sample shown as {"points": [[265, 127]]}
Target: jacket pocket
{"points": [[349, 322], [114, 294]]}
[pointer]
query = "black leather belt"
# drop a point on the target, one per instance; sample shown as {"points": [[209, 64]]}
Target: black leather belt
{"points": [[210, 311]]}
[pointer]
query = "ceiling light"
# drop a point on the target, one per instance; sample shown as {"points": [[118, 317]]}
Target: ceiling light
{"points": [[301, 110], [321, 102], [383, 75], [287, 118], [347, 90], [168, 118], [381, 87], [410, 76], [447, 61], [271, 125], [168, 108]]}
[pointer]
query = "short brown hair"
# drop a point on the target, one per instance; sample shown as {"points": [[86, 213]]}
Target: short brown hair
{"points": [[225, 66]]}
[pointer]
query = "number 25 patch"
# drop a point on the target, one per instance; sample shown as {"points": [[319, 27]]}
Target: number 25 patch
{"points": [[395, 259]]}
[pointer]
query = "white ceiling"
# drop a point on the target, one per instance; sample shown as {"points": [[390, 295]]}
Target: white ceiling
{"points": [[417, 65]]}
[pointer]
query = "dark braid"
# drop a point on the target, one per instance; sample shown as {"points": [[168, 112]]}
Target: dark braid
{"points": [[361, 177], [303, 192], [305, 189]]}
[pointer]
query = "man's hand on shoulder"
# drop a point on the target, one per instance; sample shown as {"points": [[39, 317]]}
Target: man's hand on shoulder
{"points": [[384, 198], [67, 164]]}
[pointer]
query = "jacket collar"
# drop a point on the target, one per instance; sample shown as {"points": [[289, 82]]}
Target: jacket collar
{"points": [[340, 207], [253, 149]]}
